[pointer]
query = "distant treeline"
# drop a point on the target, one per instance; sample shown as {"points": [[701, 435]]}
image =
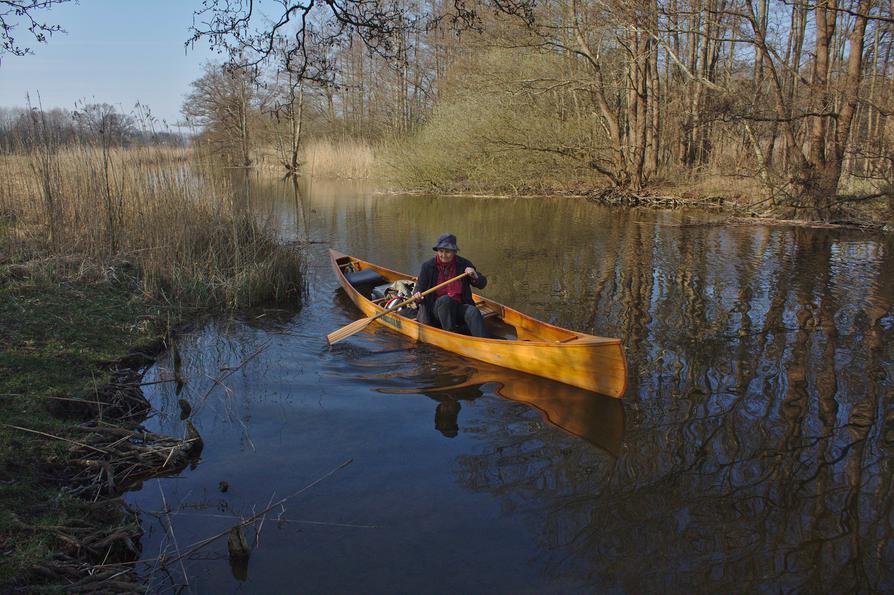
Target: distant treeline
{"points": [[24, 128]]}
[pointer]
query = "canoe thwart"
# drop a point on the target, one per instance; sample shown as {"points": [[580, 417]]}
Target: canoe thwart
{"points": [[486, 310]]}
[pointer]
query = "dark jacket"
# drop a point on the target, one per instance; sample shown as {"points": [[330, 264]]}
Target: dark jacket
{"points": [[428, 278]]}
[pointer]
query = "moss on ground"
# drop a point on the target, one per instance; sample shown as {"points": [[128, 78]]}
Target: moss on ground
{"points": [[56, 341]]}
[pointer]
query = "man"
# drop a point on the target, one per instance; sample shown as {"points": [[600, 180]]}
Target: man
{"points": [[452, 305]]}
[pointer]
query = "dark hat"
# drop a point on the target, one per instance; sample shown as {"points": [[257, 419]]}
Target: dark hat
{"points": [[447, 241]]}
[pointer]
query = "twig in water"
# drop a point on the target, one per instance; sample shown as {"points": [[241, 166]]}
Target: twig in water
{"points": [[157, 382], [200, 544], [246, 360], [278, 520], [261, 524], [170, 529], [229, 371]]}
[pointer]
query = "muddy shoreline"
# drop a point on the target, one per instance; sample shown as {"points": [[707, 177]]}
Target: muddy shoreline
{"points": [[110, 454], [731, 208]]}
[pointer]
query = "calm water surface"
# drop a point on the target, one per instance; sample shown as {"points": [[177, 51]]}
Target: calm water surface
{"points": [[751, 453]]}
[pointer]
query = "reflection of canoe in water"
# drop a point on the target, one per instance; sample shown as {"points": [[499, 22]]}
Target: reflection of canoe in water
{"points": [[520, 342], [596, 418]]}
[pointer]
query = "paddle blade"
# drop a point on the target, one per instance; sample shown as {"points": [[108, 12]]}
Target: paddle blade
{"points": [[346, 331]]}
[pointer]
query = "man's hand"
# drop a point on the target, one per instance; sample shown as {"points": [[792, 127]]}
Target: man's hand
{"points": [[471, 273]]}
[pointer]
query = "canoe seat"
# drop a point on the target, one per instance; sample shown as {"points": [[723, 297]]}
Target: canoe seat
{"points": [[364, 277], [486, 311]]}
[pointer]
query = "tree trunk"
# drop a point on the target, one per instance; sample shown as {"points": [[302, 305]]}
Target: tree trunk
{"points": [[295, 116]]}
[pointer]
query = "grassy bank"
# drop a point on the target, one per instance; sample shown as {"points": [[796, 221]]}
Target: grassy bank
{"points": [[60, 334], [460, 151], [102, 252]]}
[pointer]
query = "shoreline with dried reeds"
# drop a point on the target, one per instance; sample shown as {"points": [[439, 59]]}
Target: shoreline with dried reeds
{"points": [[412, 170], [324, 157], [103, 249]]}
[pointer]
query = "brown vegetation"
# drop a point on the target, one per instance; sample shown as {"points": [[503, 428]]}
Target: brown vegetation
{"points": [[181, 225]]}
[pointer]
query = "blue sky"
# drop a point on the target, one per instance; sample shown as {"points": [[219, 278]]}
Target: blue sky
{"points": [[115, 51]]}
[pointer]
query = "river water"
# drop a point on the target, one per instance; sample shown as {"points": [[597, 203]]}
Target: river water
{"points": [[751, 452]]}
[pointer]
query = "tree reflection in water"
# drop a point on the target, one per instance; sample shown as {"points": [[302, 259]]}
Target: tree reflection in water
{"points": [[759, 417], [759, 435]]}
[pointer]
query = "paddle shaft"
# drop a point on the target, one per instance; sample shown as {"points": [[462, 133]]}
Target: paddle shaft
{"points": [[359, 325]]}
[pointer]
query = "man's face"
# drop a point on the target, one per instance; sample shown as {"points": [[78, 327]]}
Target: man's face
{"points": [[445, 256]]}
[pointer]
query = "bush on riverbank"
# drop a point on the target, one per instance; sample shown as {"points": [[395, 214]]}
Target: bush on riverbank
{"points": [[503, 127], [486, 135]]}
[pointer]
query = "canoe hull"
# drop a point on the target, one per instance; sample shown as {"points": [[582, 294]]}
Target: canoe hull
{"points": [[586, 361]]}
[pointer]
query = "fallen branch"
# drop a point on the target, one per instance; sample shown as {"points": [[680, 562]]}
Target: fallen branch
{"points": [[170, 530], [204, 542]]}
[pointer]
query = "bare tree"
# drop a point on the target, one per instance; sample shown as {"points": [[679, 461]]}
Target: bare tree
{"points": [[290, 106], [251, 37], [101, 120], [223, 102], [18, 13], [817, 126]]}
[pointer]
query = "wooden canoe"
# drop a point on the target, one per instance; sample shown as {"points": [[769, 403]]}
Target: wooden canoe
{"points": [[520, 342]]}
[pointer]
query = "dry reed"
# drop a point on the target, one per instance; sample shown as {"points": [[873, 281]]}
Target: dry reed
{"points": [[345, 158], [190, 237]]}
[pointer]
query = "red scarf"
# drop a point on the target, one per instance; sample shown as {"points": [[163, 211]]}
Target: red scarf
{"points": [[447, 271]]}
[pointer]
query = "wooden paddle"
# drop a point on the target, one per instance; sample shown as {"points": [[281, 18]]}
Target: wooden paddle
{"points": [[358, 325]]}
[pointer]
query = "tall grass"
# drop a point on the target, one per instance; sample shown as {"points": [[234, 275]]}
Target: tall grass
{"points": [[179, 225], [344, 158]]}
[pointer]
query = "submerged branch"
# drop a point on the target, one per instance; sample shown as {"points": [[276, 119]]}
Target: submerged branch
{"points": [[208, 540]]}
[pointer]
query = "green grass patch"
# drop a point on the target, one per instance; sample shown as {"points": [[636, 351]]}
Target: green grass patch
{"points": [[56, 340]]}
